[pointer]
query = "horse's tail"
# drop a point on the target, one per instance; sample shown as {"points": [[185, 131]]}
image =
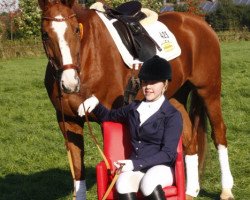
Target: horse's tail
{"points": [[198, 117]]}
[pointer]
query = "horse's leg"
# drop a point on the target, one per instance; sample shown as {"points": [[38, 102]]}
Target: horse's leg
{"points": [[192, 171], [73, 135], [195, 151], [212, 103], [189, 138]]}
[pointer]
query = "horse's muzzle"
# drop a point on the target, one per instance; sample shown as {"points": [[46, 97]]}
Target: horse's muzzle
{"points": [[71, 88]]}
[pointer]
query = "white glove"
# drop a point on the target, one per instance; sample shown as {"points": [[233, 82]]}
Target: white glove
{"points": [[89, 105], [128, 165]]}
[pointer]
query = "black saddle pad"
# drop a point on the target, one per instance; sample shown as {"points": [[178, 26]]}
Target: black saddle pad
{"points": [[128, 9]]}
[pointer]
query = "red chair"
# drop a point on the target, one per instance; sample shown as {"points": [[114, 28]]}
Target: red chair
{"points": [[115, 138]]}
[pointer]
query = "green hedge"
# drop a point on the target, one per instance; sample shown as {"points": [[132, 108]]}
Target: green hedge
{"points": [[21, 48], [229, 16], [228, 36], [33, 47]]}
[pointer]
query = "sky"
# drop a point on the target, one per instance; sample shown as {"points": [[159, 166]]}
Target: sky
{"points": [[8, 1]]}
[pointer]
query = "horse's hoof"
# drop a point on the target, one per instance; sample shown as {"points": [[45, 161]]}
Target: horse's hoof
{"points": [[226, 194], [229, 198], [188, 197]]}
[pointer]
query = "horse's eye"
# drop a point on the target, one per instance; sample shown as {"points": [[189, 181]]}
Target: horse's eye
{"points": [[77, 30], [45, 36]]}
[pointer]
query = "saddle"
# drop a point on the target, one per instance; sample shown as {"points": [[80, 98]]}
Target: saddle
{"points": [[136, 39]]}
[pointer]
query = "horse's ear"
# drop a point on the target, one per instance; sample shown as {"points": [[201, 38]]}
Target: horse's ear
{"points": [[102, 1], [68, 3], [43, 3]]}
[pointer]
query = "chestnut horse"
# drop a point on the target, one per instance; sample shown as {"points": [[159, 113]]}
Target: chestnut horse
{"points": [[81, 66]]}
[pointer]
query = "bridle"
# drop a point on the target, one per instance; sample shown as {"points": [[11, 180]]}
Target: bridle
{"points": [[45, 39], [58, 73]]}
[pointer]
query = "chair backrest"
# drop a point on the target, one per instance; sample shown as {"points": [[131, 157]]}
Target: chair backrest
{"points": [[116, 141]]}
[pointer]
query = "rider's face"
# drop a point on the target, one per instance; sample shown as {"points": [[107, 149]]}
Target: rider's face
{"points": [[152, 90]]}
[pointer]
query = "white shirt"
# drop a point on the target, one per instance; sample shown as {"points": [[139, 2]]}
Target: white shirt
{"points": [[148, 108]]}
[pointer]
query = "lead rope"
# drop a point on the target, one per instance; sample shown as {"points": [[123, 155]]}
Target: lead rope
{"points": [[117, 172], [95, 140], [66, 140]]}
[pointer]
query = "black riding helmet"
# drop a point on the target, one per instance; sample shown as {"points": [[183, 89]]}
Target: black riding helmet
{"points": [[155, 69]]}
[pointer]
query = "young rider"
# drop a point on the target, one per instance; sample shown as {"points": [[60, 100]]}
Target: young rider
{"points": [[155, 127]]}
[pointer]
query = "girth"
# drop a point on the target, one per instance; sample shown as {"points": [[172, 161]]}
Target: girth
{"points": [[136, 39]]}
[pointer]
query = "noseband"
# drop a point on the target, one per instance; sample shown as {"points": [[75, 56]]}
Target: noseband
{"points": [[58, 20], [45, 38]]}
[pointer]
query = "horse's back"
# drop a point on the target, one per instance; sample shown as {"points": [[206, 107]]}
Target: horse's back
{"points": [[200, 60], [191, 29], [180, 22]]}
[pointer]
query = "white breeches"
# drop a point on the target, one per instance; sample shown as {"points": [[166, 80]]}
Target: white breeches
{"points": [[132, 181]]}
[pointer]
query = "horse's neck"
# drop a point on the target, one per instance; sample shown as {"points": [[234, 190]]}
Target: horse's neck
{"points": [[103, 69], [97, 44], [99, 54], [93, 44]]}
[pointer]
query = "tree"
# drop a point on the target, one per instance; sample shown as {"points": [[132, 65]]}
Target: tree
{"points": [[10, 7], [193, 6], [229, 16], [151, 4], [155, 5], [29, 20]]}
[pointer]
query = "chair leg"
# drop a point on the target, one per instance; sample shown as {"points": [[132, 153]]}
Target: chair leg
{"points": [[127, 196], [157, 194]]}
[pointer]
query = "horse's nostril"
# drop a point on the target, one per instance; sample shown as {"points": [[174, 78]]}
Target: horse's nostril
{"points": [[64, 88], [77, 88], [72, 89]]}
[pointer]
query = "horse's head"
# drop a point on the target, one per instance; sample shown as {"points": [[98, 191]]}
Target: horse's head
{"points": [[61, 40]]}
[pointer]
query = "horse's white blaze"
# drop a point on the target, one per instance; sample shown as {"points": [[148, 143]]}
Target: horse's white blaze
{"points": [[68, 78], [60, 29]]}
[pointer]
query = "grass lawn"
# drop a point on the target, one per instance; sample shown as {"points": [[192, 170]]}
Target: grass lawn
{"points": [[33, 160]]}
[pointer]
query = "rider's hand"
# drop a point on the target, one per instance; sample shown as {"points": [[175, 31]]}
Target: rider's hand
{"points": [[89, 105], [128, 165]]}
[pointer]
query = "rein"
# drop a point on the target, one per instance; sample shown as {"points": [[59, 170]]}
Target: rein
{"points": [[95, 140], [117, 172], [58, 71], [133, 86], [60, 96]]}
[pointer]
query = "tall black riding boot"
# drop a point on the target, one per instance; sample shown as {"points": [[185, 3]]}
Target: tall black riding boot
{"points": [[127, 196], [157, 194]]}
